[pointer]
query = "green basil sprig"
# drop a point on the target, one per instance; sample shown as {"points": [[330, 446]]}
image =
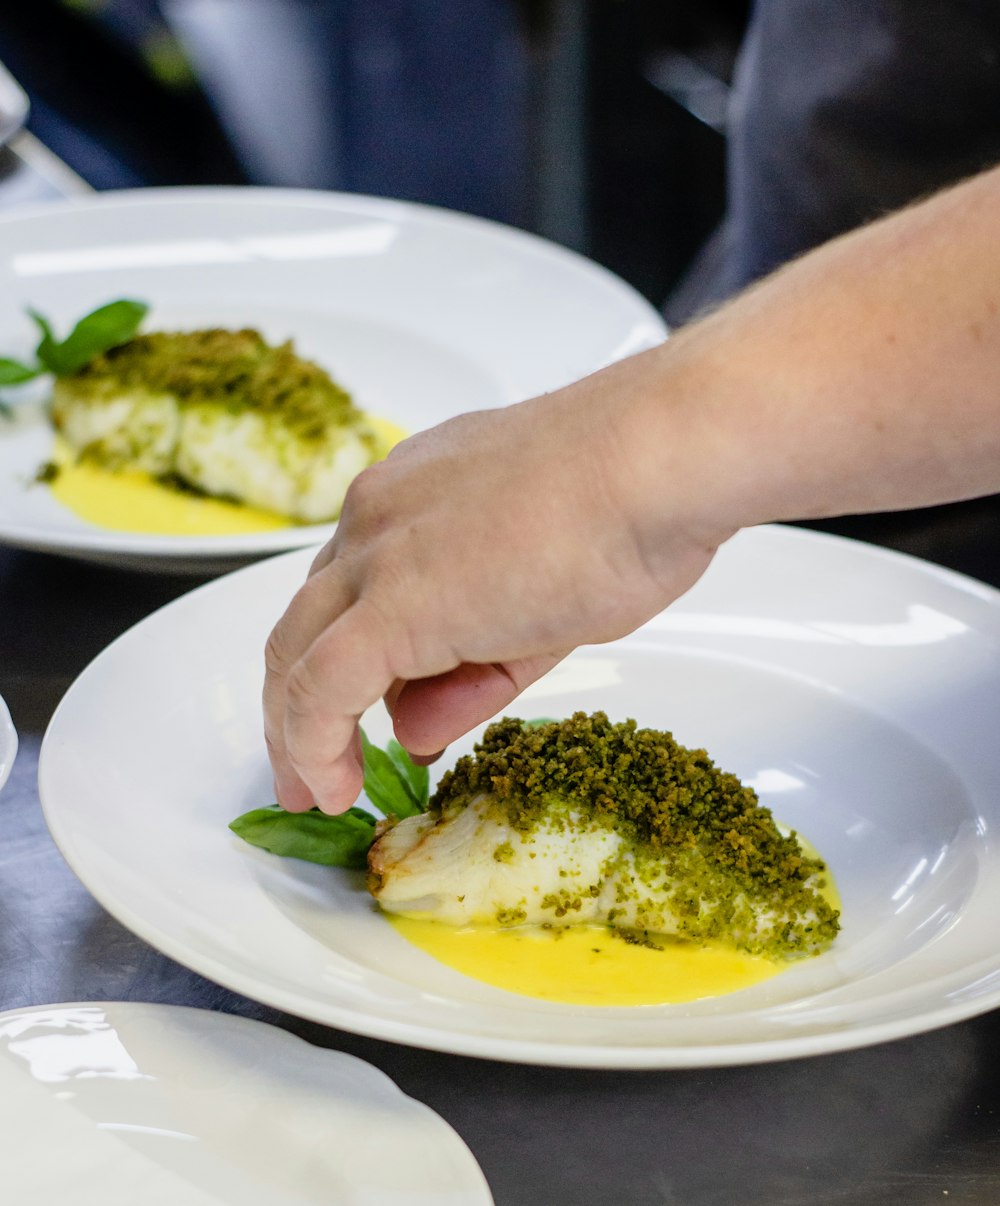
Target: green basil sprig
{"points": [[13, 372], [96, 332], [393, 784], [340, 841]]}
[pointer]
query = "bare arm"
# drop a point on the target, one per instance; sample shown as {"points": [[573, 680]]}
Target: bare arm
{"points": [[865, 376]]}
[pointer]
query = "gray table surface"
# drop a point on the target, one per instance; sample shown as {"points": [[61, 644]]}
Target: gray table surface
{"points": [[909, 1123]]}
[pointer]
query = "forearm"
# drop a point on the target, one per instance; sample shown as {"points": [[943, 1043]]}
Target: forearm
{"points": [[863, 377]]}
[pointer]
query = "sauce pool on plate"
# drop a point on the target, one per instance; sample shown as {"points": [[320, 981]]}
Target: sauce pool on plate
{"points": [[135, 502], [588, 965], [591, 964]]}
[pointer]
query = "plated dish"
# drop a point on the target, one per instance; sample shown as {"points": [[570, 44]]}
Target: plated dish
{"points": [[417, 312], [853, 688], [575, 860], [162, 1104]]}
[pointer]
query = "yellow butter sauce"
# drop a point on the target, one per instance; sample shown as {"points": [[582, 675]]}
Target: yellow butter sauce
{"points": [[590, 965], [587, 965], [136, 502]]}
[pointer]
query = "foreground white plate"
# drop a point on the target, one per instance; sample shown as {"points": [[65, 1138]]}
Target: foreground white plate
{"points": [[420, 313], [858, 690], [116, 1104]]}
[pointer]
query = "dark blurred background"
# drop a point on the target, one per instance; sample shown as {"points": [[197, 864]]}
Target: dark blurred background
{"points": [[598, 124], [601, 124]]}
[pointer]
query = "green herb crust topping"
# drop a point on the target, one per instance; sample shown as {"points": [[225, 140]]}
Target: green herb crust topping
{"points": [[238, 370], [692, 831]]}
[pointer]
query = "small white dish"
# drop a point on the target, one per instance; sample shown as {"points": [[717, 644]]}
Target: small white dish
{"points": [[117, 1103], [8, 743], [858, 690], [421, 313]]}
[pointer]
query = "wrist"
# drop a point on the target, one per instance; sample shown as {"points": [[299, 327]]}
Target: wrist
{"points": [[677, 469]]}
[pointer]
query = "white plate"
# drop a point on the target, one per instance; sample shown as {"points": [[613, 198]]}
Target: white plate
{"points": [[13, 106], [8, 743], [420, 312], [859, 690], [115, 1104]]}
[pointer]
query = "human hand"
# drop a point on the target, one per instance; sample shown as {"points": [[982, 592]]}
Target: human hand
{"points": [[481, 552], [464, 567]]}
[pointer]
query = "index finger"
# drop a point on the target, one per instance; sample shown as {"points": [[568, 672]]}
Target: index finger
{"points": [[350, 665], [318, 602]]}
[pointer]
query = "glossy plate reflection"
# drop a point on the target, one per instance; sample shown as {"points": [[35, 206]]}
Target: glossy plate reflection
{"points": [[857, 689], [113, 1104]]}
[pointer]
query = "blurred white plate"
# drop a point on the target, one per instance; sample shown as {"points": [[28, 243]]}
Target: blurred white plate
{"points": [[8, 743], [857, 689], [116, 1104], [420, 313], [13, 106]]}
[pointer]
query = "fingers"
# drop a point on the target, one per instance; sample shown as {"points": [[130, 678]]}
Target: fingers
{"points": [[429, 713], [348, 667], [324, 556], [390, 697], [319, 602]]}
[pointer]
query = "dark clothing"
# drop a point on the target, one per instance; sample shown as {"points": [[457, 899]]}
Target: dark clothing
{"points": [[843, 110]]}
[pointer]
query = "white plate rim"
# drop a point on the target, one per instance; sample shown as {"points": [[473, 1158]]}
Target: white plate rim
{"points": [[14, 106]]}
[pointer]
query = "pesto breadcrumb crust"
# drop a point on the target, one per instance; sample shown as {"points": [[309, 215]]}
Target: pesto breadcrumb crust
{"points": [[639, 781], [583, 820], [221, 411], [236, 369]]}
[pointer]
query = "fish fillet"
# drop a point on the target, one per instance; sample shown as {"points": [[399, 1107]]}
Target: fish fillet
{"points": [[525, 833], [223, 412]]}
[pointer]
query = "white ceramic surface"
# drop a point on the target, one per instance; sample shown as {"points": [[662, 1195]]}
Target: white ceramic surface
{"points": [[8, 743], [419, 312], [117, 1104], [13, 106], [857, 689]]}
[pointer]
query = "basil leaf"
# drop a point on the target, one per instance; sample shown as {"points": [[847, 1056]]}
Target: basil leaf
{"points": [[537, 722], [103, 328], [417, 778], [332, 841], [96, 332], [13, 372], [387, 787], [48, 349], [392, 783]]}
